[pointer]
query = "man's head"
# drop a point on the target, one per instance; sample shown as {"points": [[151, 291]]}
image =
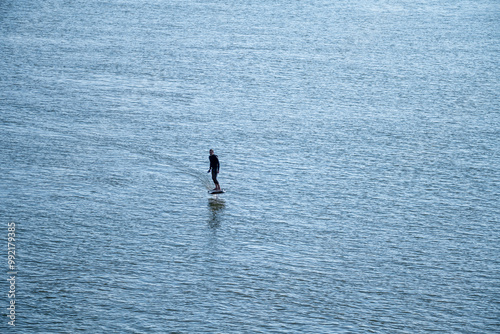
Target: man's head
{"points": [[211, 152]]}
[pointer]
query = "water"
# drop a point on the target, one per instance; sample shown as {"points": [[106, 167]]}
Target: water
{"points": [[359, 146]]}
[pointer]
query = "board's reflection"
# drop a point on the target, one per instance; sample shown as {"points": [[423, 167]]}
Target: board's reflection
{"points": [[216, 206]]}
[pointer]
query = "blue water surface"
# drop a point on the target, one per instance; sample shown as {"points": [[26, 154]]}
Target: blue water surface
{"points": [[359, 144]]}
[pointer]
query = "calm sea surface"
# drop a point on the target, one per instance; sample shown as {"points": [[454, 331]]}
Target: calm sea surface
{"points": [[359, 143]]}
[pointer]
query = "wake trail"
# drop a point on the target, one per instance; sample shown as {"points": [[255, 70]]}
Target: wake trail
{"points": [[201, 177], [159, 158]]}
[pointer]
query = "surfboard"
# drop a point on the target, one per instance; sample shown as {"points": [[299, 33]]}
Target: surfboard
{"points": [[213, 191]]}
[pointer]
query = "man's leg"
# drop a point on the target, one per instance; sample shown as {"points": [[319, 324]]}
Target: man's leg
{"points": [[214, 178]]}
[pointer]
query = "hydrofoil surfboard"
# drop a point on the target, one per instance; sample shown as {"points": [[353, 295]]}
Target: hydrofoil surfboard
{"points": [[216, 191]]}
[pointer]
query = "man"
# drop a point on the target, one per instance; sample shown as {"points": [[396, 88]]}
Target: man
{"points": [[214, 167]]}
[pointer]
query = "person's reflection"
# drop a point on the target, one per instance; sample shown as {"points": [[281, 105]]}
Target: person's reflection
{"points": [[216, 206]]}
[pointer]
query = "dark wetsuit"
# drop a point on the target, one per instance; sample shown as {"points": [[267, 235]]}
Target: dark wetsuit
{"points": [[214, 166]]}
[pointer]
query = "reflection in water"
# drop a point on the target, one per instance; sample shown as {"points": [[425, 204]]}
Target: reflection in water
{"points": [[216, 206]]}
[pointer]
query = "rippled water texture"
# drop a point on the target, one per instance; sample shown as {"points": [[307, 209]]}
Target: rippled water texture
{"points": [[359, 146]]}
